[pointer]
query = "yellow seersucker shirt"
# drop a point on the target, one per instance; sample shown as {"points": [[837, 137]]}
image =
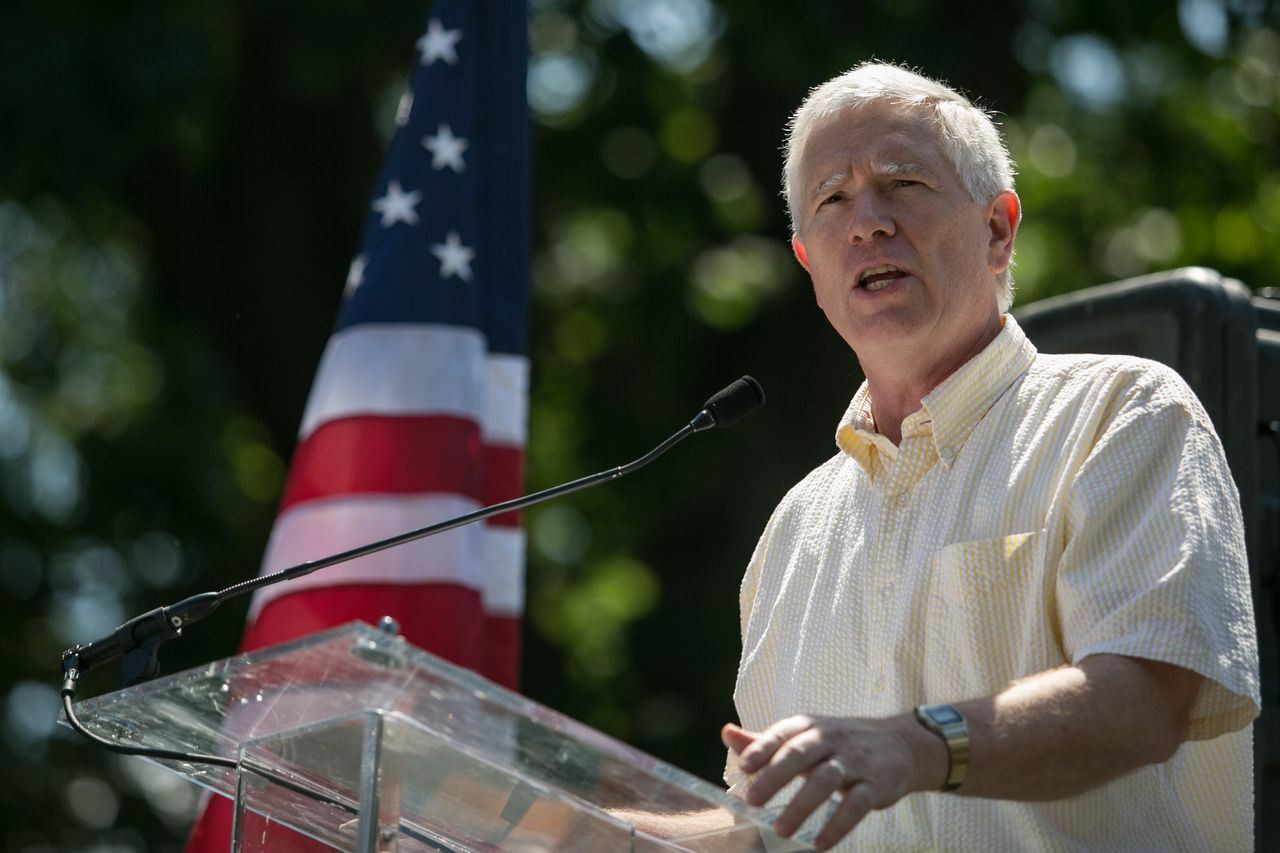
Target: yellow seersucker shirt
{"points": [[1040, 509]]}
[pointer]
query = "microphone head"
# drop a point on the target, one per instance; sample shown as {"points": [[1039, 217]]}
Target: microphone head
{"points": [[730, 405]]}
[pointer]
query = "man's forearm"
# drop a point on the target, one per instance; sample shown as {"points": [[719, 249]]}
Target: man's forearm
{"points": [[1062, 732]]}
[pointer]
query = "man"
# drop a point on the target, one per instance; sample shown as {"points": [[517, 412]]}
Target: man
{"points": [[1012, 611]]}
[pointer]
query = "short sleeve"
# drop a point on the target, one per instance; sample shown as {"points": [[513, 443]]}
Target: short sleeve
{"points": [[1154, 564]]}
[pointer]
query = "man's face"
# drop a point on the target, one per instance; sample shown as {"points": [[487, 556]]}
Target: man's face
{"points": [[903, 261]]}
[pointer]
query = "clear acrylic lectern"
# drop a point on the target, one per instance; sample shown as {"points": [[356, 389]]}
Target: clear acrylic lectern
{"points": [[362, 742]]}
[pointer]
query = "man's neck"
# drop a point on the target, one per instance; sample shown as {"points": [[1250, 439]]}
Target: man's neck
{"points": [[898, 384]]}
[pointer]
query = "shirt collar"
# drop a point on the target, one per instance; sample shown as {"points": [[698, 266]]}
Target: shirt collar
{"points": [[952, 409], [856, 435]]}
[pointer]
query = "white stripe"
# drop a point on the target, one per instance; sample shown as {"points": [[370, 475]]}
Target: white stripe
{"points": [[504, 578], [417, 369], [317, 529], [506, 410]]}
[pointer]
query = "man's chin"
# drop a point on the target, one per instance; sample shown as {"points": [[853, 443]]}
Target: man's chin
{"points": [[898, 328]]}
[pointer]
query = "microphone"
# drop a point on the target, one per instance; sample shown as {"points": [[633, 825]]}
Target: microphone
{"points": [[730, 404], [139, 639]]}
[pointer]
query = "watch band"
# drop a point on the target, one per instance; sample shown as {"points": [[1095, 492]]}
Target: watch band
{"points": [[948, 723]]}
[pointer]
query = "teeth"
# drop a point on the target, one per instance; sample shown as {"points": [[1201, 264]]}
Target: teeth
{"points": [[877, 285], [877, 270]]}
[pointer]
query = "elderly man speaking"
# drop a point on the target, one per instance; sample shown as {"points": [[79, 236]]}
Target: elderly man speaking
{"points": [[1013, 610]]}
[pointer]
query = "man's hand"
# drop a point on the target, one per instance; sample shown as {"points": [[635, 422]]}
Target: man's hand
{"points": [[871, 763]]}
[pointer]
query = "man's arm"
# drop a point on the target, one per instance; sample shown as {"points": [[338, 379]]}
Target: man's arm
{"points": [[1052, 735]]}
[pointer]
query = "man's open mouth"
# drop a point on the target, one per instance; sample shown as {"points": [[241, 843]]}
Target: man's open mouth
{"points": [[879, 277]]}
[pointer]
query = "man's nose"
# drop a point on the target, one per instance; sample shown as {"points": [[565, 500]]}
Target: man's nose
{"points": [[869, 218]]}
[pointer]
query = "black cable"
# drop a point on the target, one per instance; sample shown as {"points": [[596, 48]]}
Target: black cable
{"points": [[69, 682]]}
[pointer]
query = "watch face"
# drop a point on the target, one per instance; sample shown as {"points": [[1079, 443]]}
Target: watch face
{"points": [[944, 715]]}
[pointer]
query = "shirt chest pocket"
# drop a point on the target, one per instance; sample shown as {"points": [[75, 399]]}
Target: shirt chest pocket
{"points": [[991, 616]]}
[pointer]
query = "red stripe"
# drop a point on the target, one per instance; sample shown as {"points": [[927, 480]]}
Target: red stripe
{"points": [[375, 454], [212, 830], [503, 480], [445, 618], [502, 650], [381, 454]]}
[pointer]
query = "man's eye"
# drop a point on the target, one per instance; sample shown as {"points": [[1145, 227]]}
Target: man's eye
{"points": [[905, 182], [834, 197]]}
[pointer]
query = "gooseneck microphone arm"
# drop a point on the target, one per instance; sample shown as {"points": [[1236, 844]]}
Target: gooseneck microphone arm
{"points": [[139, 639], [469, 518]]}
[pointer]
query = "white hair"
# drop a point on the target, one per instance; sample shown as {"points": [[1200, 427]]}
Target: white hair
{"points": [[967, 134]]}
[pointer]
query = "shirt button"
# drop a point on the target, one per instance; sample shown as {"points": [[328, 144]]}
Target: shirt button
{"points": [[901, 499], [947, 453]]}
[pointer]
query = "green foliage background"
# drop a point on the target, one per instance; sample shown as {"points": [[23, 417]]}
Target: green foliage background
{"points": [[181, 188]]}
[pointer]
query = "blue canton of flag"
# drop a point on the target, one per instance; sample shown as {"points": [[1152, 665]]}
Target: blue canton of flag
{"points": [[451, 205]]}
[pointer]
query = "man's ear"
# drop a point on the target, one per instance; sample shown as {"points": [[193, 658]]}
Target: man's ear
{"points": [[1005, 215], [801, 255]]}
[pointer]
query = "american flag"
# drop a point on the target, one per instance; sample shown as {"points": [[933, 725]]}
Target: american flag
{"points": [[418, 409]]}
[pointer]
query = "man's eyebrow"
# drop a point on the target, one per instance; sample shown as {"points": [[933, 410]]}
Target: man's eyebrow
{"points": [[830, 181], [882, 167], [893, 167]]}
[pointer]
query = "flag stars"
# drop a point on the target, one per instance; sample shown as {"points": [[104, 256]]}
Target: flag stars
{"points": [[355, 275], [455, 258], [397, 205], [439, 43], [446, 149]]}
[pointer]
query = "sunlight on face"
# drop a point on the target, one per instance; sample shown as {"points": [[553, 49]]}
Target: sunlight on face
{"points": [[903, 261]]}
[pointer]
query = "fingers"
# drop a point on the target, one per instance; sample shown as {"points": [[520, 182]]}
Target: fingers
{"points": [[863, 762], [821, 782], [736, 738], [770, 740], [854, 806], [798, 755]]}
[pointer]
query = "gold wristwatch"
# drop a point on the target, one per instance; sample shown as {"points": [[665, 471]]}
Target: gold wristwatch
{"points": [[947, 723]]}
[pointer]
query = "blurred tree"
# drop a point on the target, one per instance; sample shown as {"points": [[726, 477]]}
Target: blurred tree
{"points": [[181, 186], [130, 475]]}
